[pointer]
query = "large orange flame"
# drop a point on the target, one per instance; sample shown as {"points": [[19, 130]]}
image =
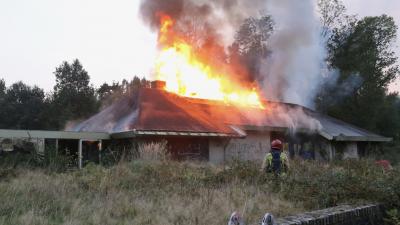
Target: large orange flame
{"points": [[185, 74]]}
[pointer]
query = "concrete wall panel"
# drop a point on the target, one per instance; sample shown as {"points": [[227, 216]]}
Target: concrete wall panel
{"points": [[350, 151], [253, 147]]}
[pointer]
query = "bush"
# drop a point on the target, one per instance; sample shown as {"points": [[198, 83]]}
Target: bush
{"points": [[320, 185], [393, 217]]}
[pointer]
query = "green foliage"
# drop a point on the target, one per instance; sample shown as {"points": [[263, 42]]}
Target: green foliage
{"points": [[73, 97], [110, 93], [362, 51], [391, 152], [27, 158], [393, 217], [364, 47], [26, 107], [17, 159], [2, 88], [250, 45], [21, 106], [54, 162], [322, 185]]}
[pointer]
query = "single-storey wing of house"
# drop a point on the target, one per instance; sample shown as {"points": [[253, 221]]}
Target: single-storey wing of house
{"points": [[216, 131]]}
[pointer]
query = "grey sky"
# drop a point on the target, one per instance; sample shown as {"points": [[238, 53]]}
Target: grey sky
{"points": [[107, 36]]}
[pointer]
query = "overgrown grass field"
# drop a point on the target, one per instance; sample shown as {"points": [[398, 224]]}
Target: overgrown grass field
{"points": [[165, 192]]}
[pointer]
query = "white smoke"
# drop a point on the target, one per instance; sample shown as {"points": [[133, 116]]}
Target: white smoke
{"points": [[293, 71]]}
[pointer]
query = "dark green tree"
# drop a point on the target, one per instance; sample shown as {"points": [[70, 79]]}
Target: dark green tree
{"points": [[2, 91], [363, 49], [73, 98], [109, 93], [2, 88], [388, 121], [250, 45], [2, 103], [144, 83], [22, 107]]}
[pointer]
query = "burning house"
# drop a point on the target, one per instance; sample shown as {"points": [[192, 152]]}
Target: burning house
{"points": [[203, 129], [207, 105], [214, 131]]}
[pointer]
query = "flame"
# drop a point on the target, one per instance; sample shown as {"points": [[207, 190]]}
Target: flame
{"points": [[187, 75]]}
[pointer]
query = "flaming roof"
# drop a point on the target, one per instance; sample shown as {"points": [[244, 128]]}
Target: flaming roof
{"points": [[157, 112]]}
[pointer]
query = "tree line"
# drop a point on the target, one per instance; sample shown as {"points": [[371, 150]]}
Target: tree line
{"points": [[72, 98]]}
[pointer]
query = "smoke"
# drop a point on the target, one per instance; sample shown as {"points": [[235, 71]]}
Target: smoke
{"points": [[294, 70], [334, 89], [290, 116], [215, 20], [208, 26], [116, 117]]}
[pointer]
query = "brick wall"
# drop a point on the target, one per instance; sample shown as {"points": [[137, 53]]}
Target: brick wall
{"points": [[341, 215]]}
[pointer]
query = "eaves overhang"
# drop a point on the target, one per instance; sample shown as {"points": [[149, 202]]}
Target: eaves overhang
{"points": [[151, 133], [70, 135], [362, 138]]}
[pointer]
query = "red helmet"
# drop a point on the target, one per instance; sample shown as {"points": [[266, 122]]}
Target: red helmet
{"points": [[276, 144]]}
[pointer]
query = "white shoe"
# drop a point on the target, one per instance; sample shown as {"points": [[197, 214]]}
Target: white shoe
{"points": [[268, 219], [235, 219]]}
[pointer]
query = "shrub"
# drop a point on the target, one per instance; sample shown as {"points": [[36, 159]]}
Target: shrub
{"points": [[320, 185], [393, 217]]}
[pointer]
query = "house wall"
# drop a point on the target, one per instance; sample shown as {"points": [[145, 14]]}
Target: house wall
{"points": [[323, 150], [351, 151], [257, 144], [252, 148], [344, 150]]}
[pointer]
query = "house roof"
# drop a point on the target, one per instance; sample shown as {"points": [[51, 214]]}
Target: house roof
{"points": [[157, 112]]}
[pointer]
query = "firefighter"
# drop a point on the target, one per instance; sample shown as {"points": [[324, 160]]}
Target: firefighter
{"points": [[276, 160]]}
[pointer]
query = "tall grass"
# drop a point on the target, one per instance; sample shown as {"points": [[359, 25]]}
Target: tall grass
{"points": [[135, 193], [153, 151], [154, 190]]}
